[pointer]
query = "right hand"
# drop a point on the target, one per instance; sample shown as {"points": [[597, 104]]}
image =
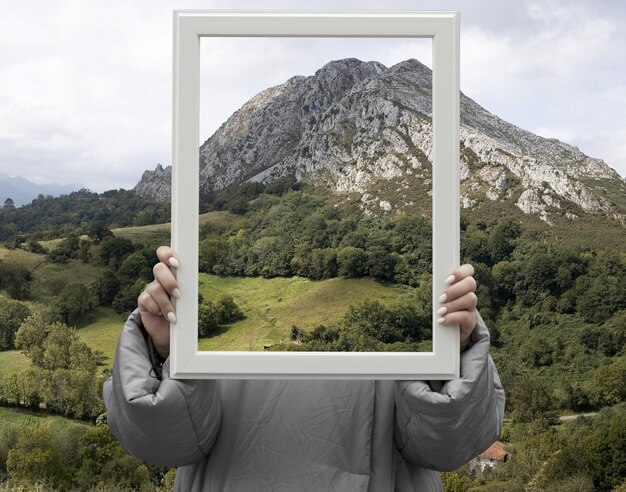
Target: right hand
{"points": [[155, 306]]}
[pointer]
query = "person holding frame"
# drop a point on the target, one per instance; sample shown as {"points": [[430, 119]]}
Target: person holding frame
{"points": [[374, 435], [301, 435]]}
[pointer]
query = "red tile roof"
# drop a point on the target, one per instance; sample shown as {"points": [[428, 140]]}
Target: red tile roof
{"points": [[495, 452]]}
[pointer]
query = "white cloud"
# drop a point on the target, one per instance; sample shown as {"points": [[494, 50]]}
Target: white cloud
{"points": [[85, 86]]}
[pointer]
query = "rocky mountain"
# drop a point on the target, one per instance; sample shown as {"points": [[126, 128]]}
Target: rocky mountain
{"points": [[354, 125]]}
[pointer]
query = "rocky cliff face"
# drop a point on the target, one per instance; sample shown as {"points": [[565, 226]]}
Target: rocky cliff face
{"points": [[354, 122]]}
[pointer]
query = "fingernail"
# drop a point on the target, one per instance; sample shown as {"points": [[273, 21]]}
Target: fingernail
{"points": [[443, 297], [174, 262], [176, 293], [442, 310], [441, 320], [450, 279], [171, 317]]}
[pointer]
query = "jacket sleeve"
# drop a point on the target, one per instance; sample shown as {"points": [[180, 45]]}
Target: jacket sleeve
{"points": [[159, 420], [443, 424]]}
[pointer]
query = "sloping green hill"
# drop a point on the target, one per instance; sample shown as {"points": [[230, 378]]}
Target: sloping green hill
{"points": [[272, 306]]}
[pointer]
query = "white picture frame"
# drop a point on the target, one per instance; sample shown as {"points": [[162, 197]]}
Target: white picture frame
{"points": [[189, 26]]}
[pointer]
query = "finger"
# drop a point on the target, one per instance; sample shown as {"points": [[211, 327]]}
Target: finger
{"points": [[467, 301], [459, 273], [161, 297], [164, 276], [147, 303], [468, 284], [465, 319], [167, 256]]}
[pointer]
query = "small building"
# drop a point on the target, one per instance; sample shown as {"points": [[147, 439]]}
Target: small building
{"points": [[491, 457]]}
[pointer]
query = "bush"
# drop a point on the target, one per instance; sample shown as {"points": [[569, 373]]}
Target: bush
{"points": [[352, 262], [12, 315], [37, 458], [74, 302], [15, 280], [126, 299]]}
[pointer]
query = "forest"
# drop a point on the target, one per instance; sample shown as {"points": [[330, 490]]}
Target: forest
{"points": [[556, 313]]}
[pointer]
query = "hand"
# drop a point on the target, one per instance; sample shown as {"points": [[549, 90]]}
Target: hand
{"points": [[459, 306], [155, 306]]}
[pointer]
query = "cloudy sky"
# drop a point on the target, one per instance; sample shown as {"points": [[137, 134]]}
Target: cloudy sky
{"points": [[85, 85]]}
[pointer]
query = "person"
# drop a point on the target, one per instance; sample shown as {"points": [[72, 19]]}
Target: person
{"points": [[300, 435]]}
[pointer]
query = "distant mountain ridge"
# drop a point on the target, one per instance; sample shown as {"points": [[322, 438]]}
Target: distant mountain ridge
{"points": [[354, 123], [23, 191]]}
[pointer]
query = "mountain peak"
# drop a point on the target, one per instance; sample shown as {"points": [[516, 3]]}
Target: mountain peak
{"points": [[355, 123]]}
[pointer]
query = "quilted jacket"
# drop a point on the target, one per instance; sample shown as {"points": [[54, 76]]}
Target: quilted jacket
{"points": [[302, 435]]}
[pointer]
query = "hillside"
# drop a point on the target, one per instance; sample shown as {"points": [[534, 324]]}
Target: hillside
{"points": [[300, 255]]}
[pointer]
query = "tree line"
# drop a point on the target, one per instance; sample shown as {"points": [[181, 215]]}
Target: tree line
{"points": [[48, 217]]}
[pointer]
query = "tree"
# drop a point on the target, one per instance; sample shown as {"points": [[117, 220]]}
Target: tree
{"points": [[98, 230], [37, 458], [501, 241], [66, 250], [282, 185], [380, 264], [475, 247], [352, 262], [227, 310], [608, 384], [12, 315], [323, 263], [135, 267], [113, 250], [74, 301], [84, 251], [211, 253], [15, 280], [207, 319], [105, 288], [238, 206], [529, 398], [126, 298], [31, 336], [53, 345], [98, 446], [374, 320], [9, 204], [605, 296]]}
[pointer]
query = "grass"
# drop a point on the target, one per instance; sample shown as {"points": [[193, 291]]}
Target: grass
{"points": [[49, 278], [272, 306], [101, 329], [21, 257], [149, 235], [12, 417], [12, 361], [159, 234]]}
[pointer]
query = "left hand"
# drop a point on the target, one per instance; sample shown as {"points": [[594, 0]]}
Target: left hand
{"points": [[460, 302]]}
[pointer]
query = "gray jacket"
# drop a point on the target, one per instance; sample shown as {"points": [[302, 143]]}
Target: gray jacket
{"points": [[294, 435]]}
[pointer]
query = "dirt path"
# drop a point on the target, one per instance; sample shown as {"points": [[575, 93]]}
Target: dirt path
{"points": [[573, 417]]}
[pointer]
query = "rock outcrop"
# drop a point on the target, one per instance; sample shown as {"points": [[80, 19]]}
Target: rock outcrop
{"points": [[354, 122]]}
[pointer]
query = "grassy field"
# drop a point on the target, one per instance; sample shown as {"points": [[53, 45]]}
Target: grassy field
{"points": [[101, 330], [49, 278], [159, 234], [21, 257], [12, 361], [10, 417], [272, 306]]}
